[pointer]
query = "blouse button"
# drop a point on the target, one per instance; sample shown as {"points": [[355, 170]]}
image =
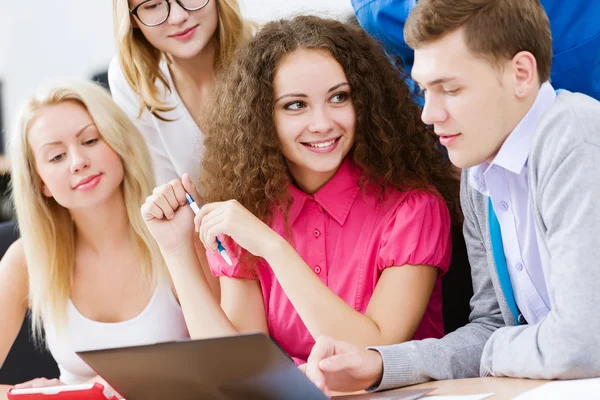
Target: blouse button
{"points": [[317, 270], [504, 205], [519, 266], [316, 233]]}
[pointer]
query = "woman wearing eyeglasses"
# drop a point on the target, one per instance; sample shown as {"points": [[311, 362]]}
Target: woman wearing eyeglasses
{"points": [[168, 52]]}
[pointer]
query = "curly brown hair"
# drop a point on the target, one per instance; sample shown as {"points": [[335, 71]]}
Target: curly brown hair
{"points": [[243, 159]]}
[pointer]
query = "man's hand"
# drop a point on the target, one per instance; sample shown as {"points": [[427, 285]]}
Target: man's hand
{"points": [[334, 365]]}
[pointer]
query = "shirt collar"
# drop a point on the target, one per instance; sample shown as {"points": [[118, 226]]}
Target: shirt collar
{"points": [[514, 152], [336, 196], [476, 180]]}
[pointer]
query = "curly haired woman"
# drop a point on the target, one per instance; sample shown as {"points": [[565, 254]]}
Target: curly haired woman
{"points": [[326, 190]]}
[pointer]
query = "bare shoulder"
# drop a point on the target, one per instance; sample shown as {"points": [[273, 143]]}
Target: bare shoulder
{"points": [[13, 262], [14, 282]]}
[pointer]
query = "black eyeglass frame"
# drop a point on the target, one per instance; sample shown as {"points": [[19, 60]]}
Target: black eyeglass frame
{"points": [[134, 10]]}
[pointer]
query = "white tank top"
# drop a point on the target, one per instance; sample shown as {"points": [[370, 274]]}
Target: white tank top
{"points": [[161, 321]]}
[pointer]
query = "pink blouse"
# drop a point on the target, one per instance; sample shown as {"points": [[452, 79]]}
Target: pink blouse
{"points": [[348, 236]]}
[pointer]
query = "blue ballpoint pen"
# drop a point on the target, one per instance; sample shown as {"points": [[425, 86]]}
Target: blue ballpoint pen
{"points": [[196, 210]]}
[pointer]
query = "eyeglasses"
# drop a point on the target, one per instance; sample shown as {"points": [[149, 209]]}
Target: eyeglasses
{"points": [[155, 12]]}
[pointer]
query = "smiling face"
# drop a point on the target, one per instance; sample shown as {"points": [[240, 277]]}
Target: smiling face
{"points": [[185, 33], [472, 104], [314, 116], [77, 168]]}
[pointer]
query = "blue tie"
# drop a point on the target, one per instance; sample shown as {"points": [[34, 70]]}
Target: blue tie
{"points": [[500, 261]]}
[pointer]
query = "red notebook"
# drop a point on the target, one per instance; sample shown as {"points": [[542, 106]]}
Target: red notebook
{"points": [[91, 391]]}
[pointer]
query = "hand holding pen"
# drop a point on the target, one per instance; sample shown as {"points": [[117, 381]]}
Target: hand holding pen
{"points": [[232, 219], [220, 247], [171, 227], [167, 216]]}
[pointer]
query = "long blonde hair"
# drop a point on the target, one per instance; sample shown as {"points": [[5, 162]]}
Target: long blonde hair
{"points": [[140, 60], [47, 229]]}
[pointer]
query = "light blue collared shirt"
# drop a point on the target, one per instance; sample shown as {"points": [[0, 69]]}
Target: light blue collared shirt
{"points": [[505, 182]]}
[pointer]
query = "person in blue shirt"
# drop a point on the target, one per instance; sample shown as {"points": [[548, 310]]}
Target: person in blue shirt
{"points": [[575, 33]]}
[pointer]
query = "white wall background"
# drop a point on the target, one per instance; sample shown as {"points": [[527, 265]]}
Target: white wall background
{"points": [[43, 40]]}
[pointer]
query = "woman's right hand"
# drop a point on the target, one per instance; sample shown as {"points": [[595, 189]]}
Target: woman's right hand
{"points": [[167, 216]]}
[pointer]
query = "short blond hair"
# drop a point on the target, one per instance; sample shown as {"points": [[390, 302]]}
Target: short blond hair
{"points": [[47, 230]]}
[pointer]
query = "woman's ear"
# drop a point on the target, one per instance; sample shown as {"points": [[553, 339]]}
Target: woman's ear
{"points": [[45, 191], [134, 21]]}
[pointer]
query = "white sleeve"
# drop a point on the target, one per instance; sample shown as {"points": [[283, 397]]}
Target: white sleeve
{"points": [[123, 95]]}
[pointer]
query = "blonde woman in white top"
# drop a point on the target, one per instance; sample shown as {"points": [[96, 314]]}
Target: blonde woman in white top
{"points": [[168, 52], [85, 265]]}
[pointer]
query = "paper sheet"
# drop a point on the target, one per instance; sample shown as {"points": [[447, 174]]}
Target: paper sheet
{"points": [[575, 389], [387, 395], [469, 397]]}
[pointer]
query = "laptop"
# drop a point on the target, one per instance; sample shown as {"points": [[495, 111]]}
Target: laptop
{"points": [[245, 367], [249, 366]]}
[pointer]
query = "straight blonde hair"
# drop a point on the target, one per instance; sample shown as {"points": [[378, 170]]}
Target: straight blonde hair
{"points": [[140, 60], [47, 229]]}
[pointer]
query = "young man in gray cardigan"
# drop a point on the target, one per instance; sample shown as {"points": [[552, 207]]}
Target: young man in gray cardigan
{"points": [[531, 160]]}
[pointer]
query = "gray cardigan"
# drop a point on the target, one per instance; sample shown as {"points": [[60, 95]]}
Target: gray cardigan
{"points": [[564, 184]]}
